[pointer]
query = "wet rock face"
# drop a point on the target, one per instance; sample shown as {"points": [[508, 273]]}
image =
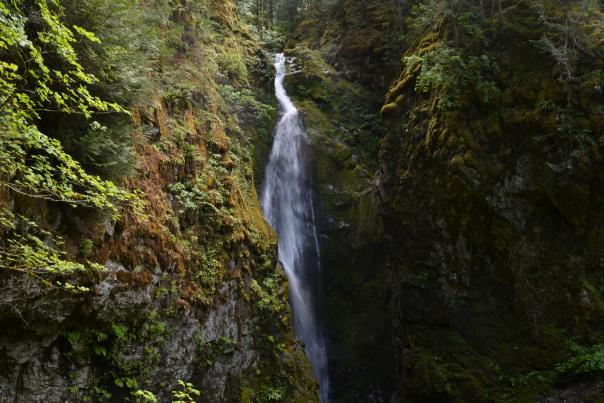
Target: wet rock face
{"points": [[585, 391], [60, 347], [231, 324], [496, 261], [342, 138], [354, 298], [495, 253]]}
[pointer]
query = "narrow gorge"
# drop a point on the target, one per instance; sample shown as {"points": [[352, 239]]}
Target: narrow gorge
{"points": [[301, 201]]}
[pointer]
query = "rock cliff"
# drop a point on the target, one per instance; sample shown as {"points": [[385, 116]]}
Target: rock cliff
{"points": [[188, 295], [481, 230]]}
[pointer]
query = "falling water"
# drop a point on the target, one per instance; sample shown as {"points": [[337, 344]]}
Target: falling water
{"points": [[288, 207]]}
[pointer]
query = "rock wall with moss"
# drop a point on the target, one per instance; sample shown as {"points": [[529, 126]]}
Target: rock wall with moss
{"points": [[339, 73], [468, 246], [188, 288], [493, 203]]}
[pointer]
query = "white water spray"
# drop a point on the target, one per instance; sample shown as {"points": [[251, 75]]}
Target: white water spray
{"points": [[287, 203]]}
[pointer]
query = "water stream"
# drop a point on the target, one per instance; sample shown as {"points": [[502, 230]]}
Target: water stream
{"points": [[287, 203]]}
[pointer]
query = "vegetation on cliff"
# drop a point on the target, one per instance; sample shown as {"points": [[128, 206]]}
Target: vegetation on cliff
{"points": [[136, 263], [489, 192], [493, 132]]}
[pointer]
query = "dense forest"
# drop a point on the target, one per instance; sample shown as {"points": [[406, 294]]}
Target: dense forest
{"points": [[448, 203]]}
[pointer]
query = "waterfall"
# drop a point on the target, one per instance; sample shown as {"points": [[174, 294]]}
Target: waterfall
{"points": [[287, 203]]}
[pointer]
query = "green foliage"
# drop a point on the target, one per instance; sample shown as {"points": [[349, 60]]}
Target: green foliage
{"points": [[586, 360], [569, 143], [26, 60], [154, 328], [274, 39], [460, 22], [120, 331], [276, 388], [40, 72], [267, 293], [192, 196], [128, 383], [271, 385], [98, 394], [449, 75], [86, 247], [232, 65], [102, 149], [130, 43], [213, 349], [572, 30], [186, 394], [36, 252], [134, 41], [208, 275], [206, 193], [245, 104], [573, 34], [275, 393], [144, 396], [34, 164], [126, 349], [73, 337], [428, 14]]}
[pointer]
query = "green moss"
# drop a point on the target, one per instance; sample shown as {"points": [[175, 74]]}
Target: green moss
{"points": [[334, 106], [492, 314]]}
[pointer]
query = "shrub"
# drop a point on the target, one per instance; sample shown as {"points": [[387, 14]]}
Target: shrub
{"points": [[448, 74]]}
